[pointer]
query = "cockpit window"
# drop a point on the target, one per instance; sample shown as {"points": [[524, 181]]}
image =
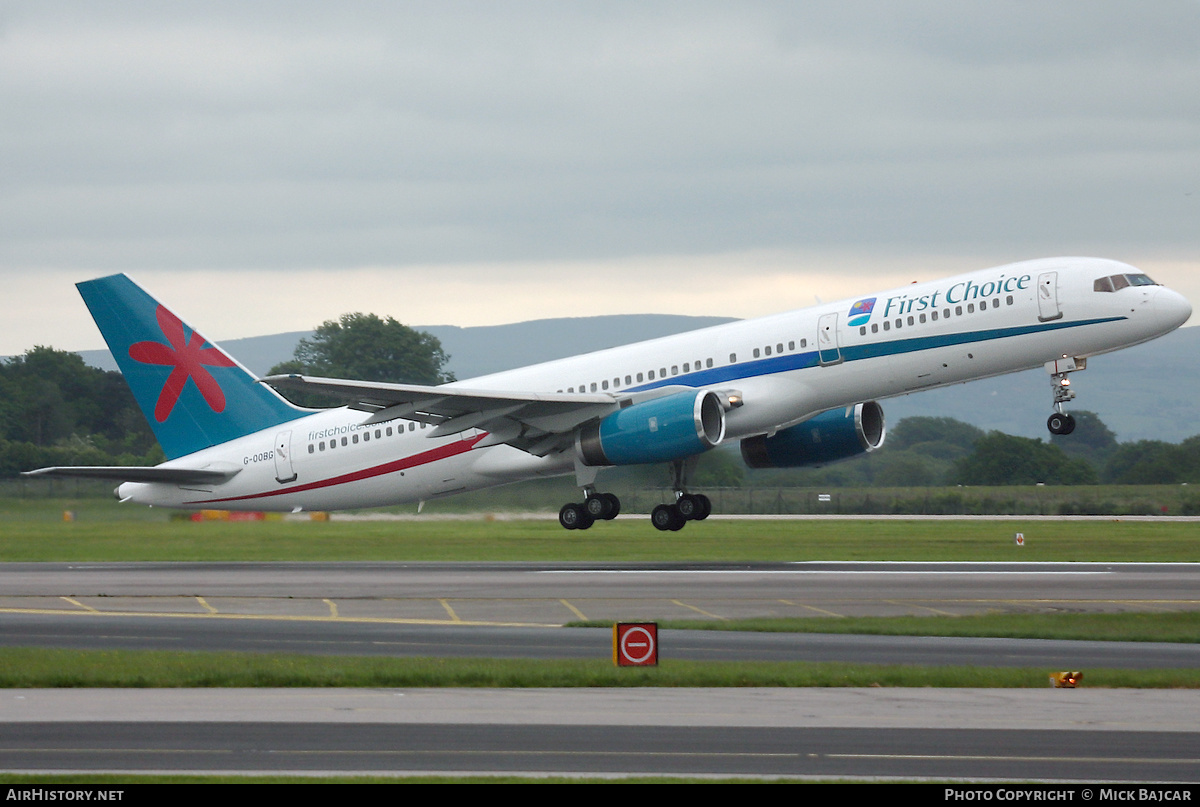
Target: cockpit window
{"points": [[1118, 282]]}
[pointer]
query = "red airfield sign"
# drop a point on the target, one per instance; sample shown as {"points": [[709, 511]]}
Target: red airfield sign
{"points": [[635, 644]]}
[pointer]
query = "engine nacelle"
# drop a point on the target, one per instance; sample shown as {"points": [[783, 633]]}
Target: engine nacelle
{"points": [[830, 436], [659, 430]]}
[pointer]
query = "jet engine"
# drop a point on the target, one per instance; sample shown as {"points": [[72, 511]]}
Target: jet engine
{"points": [[660, 430], [828, 437]]}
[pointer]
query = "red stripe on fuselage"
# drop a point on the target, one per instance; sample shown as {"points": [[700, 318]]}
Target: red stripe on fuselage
{"points": [[424, 458]]}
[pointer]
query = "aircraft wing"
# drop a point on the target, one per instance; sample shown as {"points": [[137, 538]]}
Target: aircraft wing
{"points": [[539, 423], [126, 473]]}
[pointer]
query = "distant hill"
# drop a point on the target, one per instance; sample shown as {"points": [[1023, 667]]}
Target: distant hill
{"points": [[1149, 392], [482, 350]]}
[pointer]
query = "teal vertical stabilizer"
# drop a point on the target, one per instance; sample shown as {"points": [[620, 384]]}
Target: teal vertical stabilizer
{"points": [[192, 393]]}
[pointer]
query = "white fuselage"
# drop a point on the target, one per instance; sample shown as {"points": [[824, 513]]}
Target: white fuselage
{"points": [[787, 367]]}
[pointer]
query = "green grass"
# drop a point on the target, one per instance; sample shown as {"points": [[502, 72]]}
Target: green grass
{"points": [[29, 534], [1178, 626], [37, 668]]}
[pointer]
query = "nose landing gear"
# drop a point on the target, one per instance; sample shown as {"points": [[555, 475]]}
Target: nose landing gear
{"points": [[1060, 422]]}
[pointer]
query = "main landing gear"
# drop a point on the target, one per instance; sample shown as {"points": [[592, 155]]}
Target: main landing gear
{"points": [[605, 506], [1060, 422], [687, 507], [596, 507]]}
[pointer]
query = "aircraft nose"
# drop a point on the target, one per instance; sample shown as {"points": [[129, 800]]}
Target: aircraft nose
{"points": [[1172, 307]]}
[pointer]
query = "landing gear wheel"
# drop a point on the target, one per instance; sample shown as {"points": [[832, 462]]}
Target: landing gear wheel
{"points": [[596, 506], [574, 517], [667, 517], [1060, 424], [688, 506], [603, 506], [705, 507]]}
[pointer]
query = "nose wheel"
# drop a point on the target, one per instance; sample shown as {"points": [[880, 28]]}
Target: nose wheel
{"points": [[1060, 423]]}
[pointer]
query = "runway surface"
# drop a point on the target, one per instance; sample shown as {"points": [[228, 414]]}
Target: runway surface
{"points": [[515, 610], [1025, 735]]}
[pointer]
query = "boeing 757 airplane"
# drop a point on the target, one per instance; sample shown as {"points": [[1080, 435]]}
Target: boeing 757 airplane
{"points": [[796, 389]]}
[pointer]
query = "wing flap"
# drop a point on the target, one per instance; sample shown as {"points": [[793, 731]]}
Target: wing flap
{"points": [[534, 422]]}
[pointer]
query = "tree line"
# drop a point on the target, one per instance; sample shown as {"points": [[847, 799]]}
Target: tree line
{"points": [[940, 451]]}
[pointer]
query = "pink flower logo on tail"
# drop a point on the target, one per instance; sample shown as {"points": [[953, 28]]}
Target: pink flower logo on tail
{"points": [[187, 356]]}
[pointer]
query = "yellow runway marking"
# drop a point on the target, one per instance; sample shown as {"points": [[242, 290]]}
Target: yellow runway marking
{"points": [[333, 612], [92, 612], [918, 605], [206, 606], [449, 610], [574, 610], [77, 604], [811, 608], [698, 610]]}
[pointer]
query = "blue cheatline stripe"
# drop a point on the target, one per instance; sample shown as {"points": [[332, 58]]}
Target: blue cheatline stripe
{"points": [[874, 350]]}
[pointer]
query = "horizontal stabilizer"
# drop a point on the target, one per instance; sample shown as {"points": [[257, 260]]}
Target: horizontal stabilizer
{"points": [[125, 473]]}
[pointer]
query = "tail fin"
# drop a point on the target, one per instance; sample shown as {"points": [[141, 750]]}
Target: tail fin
{"points": [[192, 393]]}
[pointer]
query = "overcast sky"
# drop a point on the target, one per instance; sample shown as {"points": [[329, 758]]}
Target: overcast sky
{"points": [[263, 167]]}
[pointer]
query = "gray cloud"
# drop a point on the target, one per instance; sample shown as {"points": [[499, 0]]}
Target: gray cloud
{"points": [[311, 135]]}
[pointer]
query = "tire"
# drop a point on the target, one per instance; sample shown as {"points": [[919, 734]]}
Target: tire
{"points": [[666, 517], [705, 509], [573, 517], [687, 506], [614, 506], [597, 506]]}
